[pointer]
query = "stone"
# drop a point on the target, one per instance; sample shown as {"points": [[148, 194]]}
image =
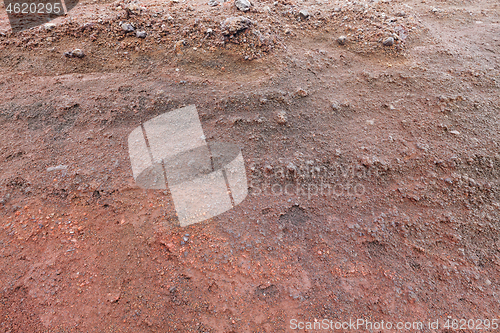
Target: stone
{"points": [[140, 34], [342, 40], [281, 118], [389, 41], [243, 5], [233, 25], [304, 14], [335, 106], [213, 3], [49, 26], [76, 53], [127, 27]]}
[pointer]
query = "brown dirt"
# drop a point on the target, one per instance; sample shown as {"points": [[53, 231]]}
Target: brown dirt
{"points": [[406, 135]]}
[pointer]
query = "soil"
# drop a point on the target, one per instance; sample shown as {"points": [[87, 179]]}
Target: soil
{"points": [[372, 169]]}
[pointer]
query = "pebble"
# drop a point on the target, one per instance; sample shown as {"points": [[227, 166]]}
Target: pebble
{"points": [[76, 53], [335, 106], [127, 27], [243, 5], [389, 41], [342, 40], [49, 26], [209, 31], [233, 25], [304, 14], [454, 132], [281, 118], [140, 34], [213, 3]]}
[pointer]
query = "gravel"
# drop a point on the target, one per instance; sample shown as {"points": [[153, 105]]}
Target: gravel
{"points": [[342, 40]]}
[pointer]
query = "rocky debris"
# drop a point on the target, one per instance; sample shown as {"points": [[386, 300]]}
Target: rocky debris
{"points": [[127, 27], [389, 41], [281, 118], [140, 34], [342, 40], [304, 14], [233, 25], [243, 5], [76, 53], [213, 3]]}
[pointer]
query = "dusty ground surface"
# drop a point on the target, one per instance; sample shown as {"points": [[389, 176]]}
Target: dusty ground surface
{"points": [[407, 136]]}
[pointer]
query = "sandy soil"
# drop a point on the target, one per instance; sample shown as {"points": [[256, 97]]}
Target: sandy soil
{"points": [[406, 136]]}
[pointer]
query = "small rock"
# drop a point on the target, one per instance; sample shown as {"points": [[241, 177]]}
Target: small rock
{"points": [[127, 27], [389, 41], [487, 282], [76, 53], [342, 40], [304, 14], [57, 168], [49, 26], [213, 3], [140, 34], [281, 118], [401, 14], [454, 132], [243, 5], [236, 24], [209, 31], [335, 106]]}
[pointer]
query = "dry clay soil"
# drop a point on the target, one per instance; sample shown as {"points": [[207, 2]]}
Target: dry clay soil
{"points": [[407, 135]]}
